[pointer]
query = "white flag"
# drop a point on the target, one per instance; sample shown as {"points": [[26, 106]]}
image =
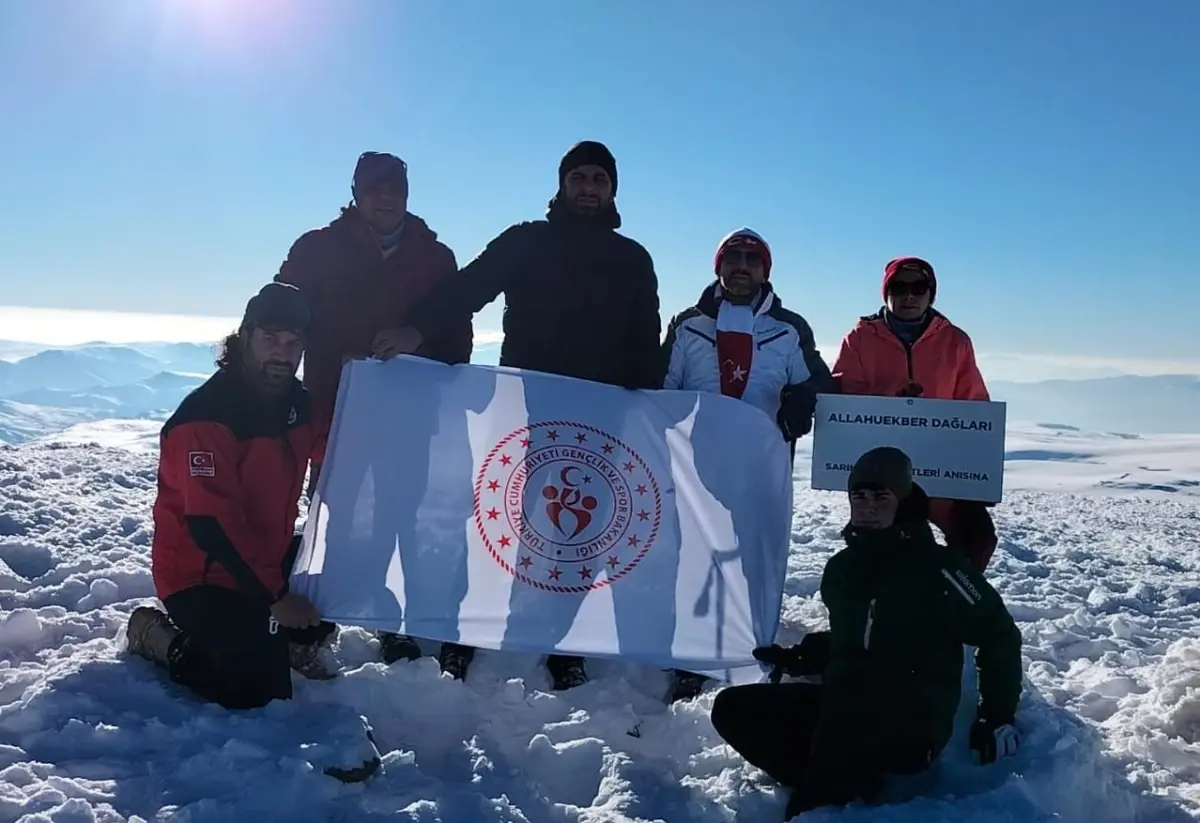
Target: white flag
{"points": [[515, 510]]}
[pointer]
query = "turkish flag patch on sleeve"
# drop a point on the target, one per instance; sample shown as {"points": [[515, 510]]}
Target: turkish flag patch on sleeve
{"points": [[201, 464]]}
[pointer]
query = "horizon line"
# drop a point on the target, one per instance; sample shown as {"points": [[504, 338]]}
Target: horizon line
{"points": [[35, 327]]}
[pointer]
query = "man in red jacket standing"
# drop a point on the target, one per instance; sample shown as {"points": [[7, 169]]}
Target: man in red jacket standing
{"points": [[232, 461], [363, 275]]}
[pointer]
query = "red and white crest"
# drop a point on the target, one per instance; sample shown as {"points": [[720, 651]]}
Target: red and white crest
{"points": [[566, 507]]}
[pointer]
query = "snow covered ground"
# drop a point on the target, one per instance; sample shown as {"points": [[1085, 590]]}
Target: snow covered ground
{"points": [[1099, 562]]}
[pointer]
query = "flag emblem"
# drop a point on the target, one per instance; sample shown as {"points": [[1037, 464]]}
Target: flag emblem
{"points": [[566, 507], [202, 464]]}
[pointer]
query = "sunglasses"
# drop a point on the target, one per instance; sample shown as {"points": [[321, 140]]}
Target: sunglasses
{"points": [[899, 288], [752, 258]]}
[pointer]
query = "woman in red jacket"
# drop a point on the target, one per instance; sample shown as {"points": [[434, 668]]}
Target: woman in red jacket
{"points": [[908, 349]]}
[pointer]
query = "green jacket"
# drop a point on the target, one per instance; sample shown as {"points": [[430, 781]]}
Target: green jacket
{"points": [[901, 607]]}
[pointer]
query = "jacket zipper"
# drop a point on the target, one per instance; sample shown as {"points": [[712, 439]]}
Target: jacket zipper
{"points": [[908, 347], [870, 624]]}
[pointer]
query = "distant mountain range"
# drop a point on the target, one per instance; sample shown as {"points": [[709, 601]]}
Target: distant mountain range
{"points": [[1158, 404], [50, 390], [47, 391]]}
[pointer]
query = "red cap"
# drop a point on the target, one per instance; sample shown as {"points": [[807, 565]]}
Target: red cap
{"points": [[917, 264], [744, 238]]}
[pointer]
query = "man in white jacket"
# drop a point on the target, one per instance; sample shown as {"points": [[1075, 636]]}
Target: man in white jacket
{"points": [[739, 340]]}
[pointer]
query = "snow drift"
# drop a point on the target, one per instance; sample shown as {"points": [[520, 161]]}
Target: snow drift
{"points": [[1104, 581]]}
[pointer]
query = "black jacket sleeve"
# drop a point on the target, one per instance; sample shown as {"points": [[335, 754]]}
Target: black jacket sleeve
{"points": [[646, 366], [808, 360], [977, 615], [478, 283]]}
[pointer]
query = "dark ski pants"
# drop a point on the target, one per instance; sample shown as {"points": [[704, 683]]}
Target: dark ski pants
{"points": [[229, 651], [829, 749], [968, 527]]}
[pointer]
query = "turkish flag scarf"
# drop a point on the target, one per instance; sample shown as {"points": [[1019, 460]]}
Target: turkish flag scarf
{"points": [[735, 346]]}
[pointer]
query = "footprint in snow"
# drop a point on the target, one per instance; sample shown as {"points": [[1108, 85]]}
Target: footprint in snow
{"points": [[29, 560]]}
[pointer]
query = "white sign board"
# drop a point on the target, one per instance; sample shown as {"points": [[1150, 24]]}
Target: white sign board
{"points": [[956, 446]]}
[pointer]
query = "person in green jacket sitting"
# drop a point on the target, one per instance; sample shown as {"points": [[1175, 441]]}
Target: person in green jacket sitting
{"points": [[901, 607]]}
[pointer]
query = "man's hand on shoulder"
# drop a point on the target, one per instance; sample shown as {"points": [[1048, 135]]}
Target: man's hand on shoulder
{"points": [[396, 341]]}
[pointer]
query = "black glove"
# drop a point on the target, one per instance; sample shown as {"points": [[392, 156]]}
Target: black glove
{"points": [[994, 740], [807, 658], [797, 404]]}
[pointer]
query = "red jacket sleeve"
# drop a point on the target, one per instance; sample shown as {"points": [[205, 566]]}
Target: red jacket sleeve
{"points": [[213, 508], [849, 373], [300, 266], [320, 441], [969, 383]]}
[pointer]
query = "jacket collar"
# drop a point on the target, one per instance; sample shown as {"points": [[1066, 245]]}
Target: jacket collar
{"points": [[258, 403], [904, 533], [710, 300], [558, 214], [936, 319], [413, 229]]}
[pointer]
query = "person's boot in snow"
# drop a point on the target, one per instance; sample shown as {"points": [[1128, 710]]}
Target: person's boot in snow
{"points": [[150, 634], [370, 764], [455, 660], [566, 672], [686, 685], [393, 647]]}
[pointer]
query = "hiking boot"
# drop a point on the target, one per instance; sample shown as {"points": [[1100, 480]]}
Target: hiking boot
{"points": [[357, 774], [687, 685], [313, 660], [455, 660], [567, 672], [150, 634], [393, 647]]}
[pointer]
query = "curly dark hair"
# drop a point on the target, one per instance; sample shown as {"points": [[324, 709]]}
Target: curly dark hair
{"points": [[229, 353]]}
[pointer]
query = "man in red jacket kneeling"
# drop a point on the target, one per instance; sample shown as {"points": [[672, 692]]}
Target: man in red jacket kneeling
{"points": [[232, 464]]}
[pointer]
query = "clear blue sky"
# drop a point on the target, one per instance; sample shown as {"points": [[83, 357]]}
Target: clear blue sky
{"points": [[162, 156]]}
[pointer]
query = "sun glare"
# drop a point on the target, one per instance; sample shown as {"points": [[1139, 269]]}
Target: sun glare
{"points": [[236, 24]]}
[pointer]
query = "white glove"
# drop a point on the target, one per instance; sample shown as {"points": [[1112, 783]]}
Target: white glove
{"points": [[1007, 740], [994, 742]]}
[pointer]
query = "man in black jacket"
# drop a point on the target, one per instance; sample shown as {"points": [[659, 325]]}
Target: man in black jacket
{"points": [[581, 300]]}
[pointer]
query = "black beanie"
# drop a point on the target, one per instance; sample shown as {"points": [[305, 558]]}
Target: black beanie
{"points": [[278, 307], [884, 467], [588, 153]]}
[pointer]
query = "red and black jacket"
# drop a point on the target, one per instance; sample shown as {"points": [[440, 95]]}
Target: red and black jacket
{"points": [[232, 463]]}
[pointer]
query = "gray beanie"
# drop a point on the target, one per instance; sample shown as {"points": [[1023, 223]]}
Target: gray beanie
{"points": [[884, 467]]}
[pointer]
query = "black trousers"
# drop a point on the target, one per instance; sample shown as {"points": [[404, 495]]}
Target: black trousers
{"points": [[831, 749], [229, 650]]}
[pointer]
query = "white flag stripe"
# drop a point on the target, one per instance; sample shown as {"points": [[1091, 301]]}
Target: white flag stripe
{"points": [[528, 512]]}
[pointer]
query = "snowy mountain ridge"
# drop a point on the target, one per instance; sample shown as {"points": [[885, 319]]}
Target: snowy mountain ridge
{"points": [[49, 389]]}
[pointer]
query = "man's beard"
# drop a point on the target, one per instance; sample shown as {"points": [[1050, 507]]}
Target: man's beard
{"points": [[274, 379], [588, 207], [740, 289]]}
